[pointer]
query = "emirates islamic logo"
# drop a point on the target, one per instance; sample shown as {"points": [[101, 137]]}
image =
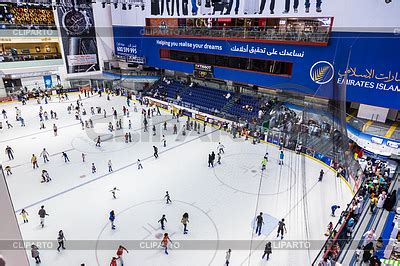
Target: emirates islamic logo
{"points": [[322, 72]]}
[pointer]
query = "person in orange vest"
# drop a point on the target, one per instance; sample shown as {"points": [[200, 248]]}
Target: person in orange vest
{"points": [[164, 242], [120, 252]]}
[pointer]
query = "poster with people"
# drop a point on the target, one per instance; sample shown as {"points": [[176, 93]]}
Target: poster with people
{"points": [[384, 12]]}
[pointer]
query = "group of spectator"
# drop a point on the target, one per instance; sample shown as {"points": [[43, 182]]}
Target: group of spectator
{"points": [[373, 194]]}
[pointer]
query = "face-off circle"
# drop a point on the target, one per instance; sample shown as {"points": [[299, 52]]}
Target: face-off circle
{"points": [[242, 172], [138, 229]]}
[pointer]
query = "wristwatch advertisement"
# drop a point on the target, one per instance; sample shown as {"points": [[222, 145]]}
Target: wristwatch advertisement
{"points": [[78, 36]]}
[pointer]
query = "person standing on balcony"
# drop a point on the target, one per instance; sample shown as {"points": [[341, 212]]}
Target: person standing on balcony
{"points": [[166, 3], [194, 7], [230, 5], [185, 7], [271, 6], [295, 6], [205, 7], [173, 7], [318, 6]]}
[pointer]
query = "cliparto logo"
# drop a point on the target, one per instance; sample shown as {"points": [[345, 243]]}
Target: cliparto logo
{"points": [[322, 72]]}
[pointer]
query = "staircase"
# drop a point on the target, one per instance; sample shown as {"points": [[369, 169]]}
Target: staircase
{"points": [[229, 104]]}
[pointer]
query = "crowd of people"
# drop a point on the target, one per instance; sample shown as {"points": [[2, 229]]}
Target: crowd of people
{"points": [[374, 196]]}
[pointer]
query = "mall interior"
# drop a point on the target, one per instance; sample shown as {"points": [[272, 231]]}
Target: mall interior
{"points": [[319, 78]]}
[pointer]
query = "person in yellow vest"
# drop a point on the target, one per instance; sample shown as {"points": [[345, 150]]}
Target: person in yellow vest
{"points": [[374, 201], [24, 215], [34, 161]]}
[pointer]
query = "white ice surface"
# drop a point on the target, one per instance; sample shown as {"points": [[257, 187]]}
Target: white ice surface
{"points": [[221, 201]]}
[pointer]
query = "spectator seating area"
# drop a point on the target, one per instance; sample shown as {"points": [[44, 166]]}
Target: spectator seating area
{"points": [[208, 100]]}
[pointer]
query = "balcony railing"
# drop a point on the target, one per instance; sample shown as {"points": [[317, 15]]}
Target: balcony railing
{"points": [[320, 36], [29, 57], [9, 26]]}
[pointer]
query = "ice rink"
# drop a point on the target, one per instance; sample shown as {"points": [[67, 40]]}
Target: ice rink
{"points": [[222, 202]]}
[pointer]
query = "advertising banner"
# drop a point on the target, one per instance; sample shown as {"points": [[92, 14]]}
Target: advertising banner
{"points": [[78, 36], [48, 83], [384, 12], [373, 80]]}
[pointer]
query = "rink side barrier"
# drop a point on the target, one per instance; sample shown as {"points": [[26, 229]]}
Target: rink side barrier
{"points": [[217, 122]]}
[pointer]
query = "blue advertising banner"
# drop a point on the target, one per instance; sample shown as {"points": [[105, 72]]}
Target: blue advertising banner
{"points": [[48, 83], [373, 71]]}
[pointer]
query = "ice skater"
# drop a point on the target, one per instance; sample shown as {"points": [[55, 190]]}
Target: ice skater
{"points": [[34, 161], [264, 164], [155, 152], [45, 177], [98, 141], [167, 197], [109, 166], [210, 161], [10, 153], [154, 130], [120, 252], [228, 257], [281, 228], [42, 214], [8, 170], [35, 254], [60, 240], [321, 175], [55, 130], [93, 168], [24, 215], [281, 157], [185, 221], [83, 157], [260, 222], [164, 141], [139, 164], [267, 250], [113, 192], [175, 128], [164, 242], [129, 124], [165, 125], [220, 148], [333, 209], [218, 158], [8, 125], [329, 229], [112, 219], [162, 221], [45, 155], [65, 156]]}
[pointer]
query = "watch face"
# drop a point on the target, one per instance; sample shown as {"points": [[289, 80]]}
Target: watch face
{"points": [[75, 22]]}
